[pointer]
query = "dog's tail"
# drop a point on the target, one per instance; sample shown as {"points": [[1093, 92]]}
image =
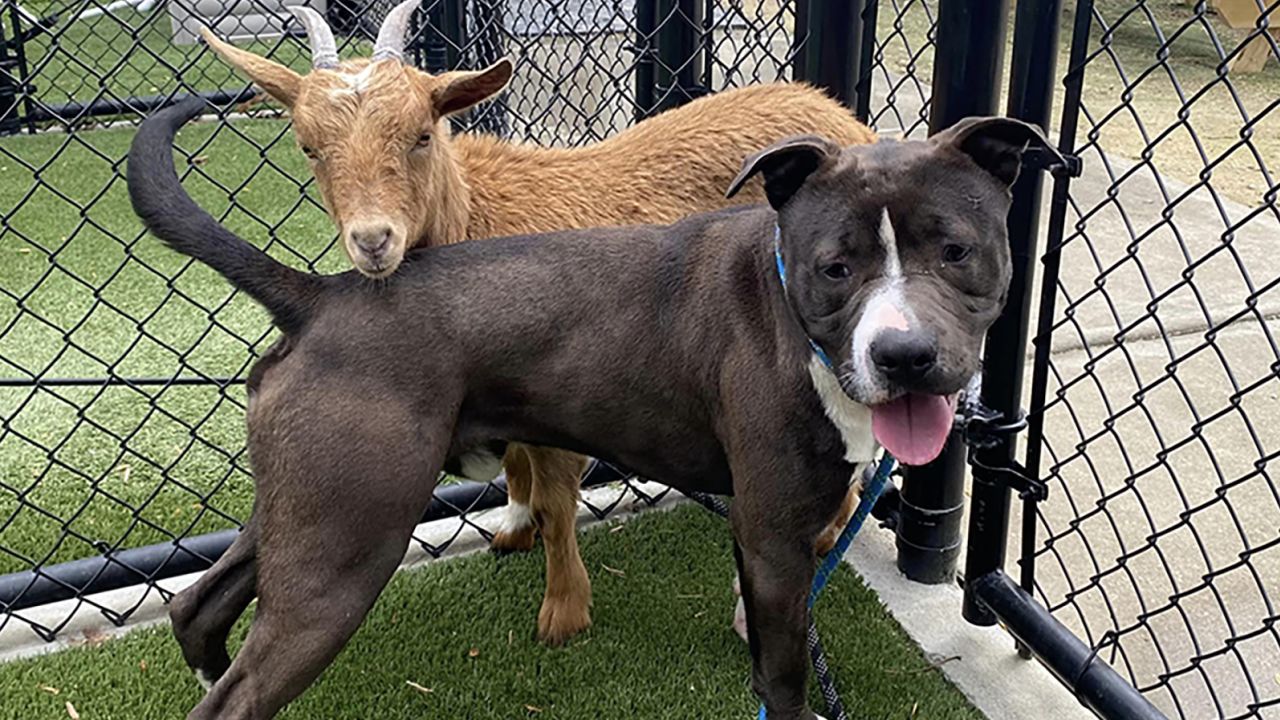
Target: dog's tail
{"points": [[168, 212]]}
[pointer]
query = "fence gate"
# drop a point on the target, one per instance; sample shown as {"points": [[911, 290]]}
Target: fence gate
{"points": [[1150, 514]]}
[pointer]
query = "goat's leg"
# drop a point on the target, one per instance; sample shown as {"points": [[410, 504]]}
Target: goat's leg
{"points": [[566, 605], [204, 613], [848, 505], [518, 530]]}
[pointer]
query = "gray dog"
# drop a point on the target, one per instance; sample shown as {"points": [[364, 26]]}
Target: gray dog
{"points": [[759, 352]]}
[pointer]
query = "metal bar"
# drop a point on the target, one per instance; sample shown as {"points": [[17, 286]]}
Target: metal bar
{"points": [[455, 30], [1095, 684], [830, 57], [1074, 83], [24, 71], [867, 48], [151, 563], [646, 67], [679, 68], [800, 17], [111, 381], [73, 111], [966, 72], [489, 17], [1035, 54]]}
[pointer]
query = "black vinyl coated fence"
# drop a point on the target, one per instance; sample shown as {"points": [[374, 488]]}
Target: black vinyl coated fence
{"points": [[1142, 319]]}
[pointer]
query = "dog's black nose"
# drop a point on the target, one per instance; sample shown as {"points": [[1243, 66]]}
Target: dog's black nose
{"points": [[903, 357]]}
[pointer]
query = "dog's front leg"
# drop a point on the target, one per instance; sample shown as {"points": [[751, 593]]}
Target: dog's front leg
{"points": [[775, 579]]}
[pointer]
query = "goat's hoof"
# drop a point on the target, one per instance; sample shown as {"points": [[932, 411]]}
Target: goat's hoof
{"points": [[506, 542], [559, 621]]}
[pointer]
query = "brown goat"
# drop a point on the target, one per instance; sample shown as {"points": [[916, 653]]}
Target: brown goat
{"points": [[393, 177]]}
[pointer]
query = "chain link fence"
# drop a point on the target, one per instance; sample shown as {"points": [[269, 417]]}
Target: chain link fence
{"points": [[1160, 424], [122, 364]]}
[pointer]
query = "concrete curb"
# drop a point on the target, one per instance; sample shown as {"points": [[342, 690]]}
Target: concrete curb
{"points": [[981, 662]]}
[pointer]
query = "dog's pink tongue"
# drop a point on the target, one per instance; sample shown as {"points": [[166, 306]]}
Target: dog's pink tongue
{"points": [[914, 427]]}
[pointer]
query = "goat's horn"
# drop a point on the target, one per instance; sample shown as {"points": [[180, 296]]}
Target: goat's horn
{"points": [[324, 50], [391, 36]]}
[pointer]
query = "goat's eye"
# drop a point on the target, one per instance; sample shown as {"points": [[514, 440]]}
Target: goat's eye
{"points": [[837, 271], [952, 253], [423, 140], [310, 152]]}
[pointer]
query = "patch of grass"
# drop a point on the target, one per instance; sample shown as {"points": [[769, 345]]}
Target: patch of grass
{"points": [[661, 647], [87, 295], [127, 53]]}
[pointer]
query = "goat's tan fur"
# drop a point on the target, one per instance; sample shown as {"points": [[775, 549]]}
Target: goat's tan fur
{"points": [[385, 160]]}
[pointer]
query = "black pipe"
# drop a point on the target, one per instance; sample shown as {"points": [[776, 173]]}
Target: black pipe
{"points": [[830, 56], [680, 61], [1095, 684], [966, 72], [75, 111], [1035, 56], [112, 380], [151, 563], [931, 515]]}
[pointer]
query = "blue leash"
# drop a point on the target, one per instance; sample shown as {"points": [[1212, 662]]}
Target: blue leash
{"points": [[870, 494]]}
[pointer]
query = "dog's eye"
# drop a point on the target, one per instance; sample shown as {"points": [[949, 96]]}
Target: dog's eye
{"points": [[423, 140], [952, 253], [837, 271], [310, 152]]}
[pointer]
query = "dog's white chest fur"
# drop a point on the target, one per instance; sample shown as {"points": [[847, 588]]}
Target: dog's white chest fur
{"points": [[852, 419]]}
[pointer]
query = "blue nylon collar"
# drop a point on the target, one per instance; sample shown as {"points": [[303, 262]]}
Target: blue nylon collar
{"points": [[782, 276]]}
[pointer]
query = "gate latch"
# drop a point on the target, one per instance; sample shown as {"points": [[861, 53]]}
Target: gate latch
{"points": [[984, 428], [1038, 159]]}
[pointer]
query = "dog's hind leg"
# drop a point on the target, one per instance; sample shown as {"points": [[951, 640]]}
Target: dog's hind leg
{"points": [[337, 500], [518, 531], [566, 605], [204, 613]]}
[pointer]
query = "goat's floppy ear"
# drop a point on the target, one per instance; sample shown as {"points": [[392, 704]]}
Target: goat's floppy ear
{"points": [[461, 90], [279, 81], [996, 144], [785, 165]]}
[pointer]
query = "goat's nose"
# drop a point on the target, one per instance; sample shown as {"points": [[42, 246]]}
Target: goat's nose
{"points": [[373, 240], [903, 357]]}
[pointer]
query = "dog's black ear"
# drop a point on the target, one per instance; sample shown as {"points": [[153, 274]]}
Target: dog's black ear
{"points": [[997, 144], [785, 164]]}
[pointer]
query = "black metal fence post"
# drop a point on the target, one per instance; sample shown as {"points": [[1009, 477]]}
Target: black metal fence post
{"points": [[646, 64], [830, 39], [866, 59], [990, 596], [488, 19], [440, 48], [966, 74], [680, 61], [1035, 55]]}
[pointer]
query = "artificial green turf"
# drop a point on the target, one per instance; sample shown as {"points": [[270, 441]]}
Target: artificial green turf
{"points": [[661, 646], [79, 280], [127, 53]]}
